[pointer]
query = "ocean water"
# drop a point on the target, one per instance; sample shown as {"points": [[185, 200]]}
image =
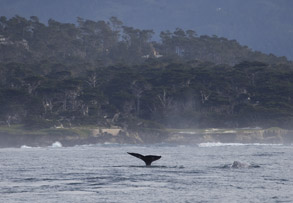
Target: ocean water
{"points": [[106, 173]]}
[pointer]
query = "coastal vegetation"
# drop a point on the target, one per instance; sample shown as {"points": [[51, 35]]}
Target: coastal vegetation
{"points": [[107, 74]]}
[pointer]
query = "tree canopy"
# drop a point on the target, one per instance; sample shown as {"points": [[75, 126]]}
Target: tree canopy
{"points": [[106, 73]]}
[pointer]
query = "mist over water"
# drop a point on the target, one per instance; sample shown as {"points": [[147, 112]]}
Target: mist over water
{"points": [[106, 173]]}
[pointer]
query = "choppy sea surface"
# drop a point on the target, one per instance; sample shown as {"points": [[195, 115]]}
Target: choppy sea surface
{"points": [[106, 173]]}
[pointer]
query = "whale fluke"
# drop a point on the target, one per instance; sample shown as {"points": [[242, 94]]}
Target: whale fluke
{"points": [[147, 159]]}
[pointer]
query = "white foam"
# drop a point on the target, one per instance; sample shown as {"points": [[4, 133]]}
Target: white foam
{"points": [[56, 144], [220, 144], [187, 132], [25, 147], [230, 131], [266, 144]]}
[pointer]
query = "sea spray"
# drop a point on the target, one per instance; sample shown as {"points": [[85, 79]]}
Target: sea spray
{"points": [[220, 144], [25, 147], [56, 144]]}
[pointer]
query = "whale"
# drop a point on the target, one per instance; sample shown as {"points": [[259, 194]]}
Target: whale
{"points": [[238, 164], [148, 159]]}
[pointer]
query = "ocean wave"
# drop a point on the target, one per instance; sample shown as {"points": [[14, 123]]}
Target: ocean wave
{"points": [[25, 147], [56, 144], [220, 144], [28, 147]]}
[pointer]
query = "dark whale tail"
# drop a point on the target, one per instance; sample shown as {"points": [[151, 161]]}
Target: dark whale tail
{"points": [[147, 159]]}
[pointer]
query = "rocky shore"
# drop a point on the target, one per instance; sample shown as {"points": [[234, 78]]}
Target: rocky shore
{"points": [[80, 136], [176, 136]]}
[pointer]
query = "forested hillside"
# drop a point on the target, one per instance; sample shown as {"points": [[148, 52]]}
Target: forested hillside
{"points": [[105, 73], [107, 43], [263, 25]]}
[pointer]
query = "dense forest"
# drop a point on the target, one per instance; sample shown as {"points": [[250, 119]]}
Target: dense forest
{"points": [[108, 74]]}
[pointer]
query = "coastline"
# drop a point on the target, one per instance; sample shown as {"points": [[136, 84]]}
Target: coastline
{"points": [[16, 136]]}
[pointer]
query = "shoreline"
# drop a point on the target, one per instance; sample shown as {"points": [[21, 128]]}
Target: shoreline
{"points": [[16, 136]]}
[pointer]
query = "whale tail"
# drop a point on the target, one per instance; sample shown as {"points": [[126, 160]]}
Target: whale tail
{"points": [[147, 159]]}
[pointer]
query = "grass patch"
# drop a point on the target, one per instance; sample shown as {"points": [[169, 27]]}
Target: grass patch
{"points": [[20, 130]]}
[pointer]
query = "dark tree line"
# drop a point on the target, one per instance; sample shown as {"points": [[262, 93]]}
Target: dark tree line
{"points": [[185, 95], [110, 42], [105, 73]]}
